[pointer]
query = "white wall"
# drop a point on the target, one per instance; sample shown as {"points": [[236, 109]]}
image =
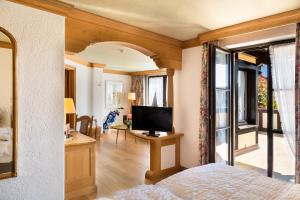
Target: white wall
{"points": [[99, 109], [90, 91], [187, 105], [84, 90], [40, 84]]}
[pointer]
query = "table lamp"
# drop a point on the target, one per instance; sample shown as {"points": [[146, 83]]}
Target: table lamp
{"points": [[131, 98], [69, 108]]}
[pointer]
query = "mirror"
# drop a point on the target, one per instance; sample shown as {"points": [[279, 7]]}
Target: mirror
{"points": [[7, 106]]}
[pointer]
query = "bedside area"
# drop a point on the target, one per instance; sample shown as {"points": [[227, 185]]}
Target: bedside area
{"points": [[79, 166]]}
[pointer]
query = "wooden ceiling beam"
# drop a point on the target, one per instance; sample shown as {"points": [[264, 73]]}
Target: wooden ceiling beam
{"points": [[98, 65], [150, 72], [119, 26], [70, 11], [77, 39], [78, 60], [112, 71], [53, 6], [165, 51], [268, 22], [83, 62]]}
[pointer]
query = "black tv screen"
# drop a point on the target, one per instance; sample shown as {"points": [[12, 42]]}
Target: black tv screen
{"points": [[152, 118]]}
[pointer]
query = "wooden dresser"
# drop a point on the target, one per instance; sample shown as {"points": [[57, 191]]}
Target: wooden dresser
{"points": [[79, 166]]}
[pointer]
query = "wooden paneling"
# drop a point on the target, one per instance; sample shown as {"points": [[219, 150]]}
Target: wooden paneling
{"points": [[53, 6], [150, 72], [276, 20], [170, 74], [122, 27], [191, 43], [165, 51], [111, 71], [83, 62], [77, 39], [261, 35], [246, 57], [77, 60], [70, 91], [84, 29], [98, 65]]}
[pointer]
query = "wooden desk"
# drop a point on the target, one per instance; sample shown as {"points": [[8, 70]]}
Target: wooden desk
{"points": [[79, 166], [155, 173]]}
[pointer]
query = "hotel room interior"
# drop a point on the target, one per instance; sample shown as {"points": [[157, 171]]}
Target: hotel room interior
{"points": [[149, 99]]}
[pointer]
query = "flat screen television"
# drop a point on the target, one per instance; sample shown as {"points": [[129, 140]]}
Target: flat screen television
{"points": [[152, 119]]}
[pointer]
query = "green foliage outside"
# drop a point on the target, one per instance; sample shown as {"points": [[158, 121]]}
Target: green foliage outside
{"points": [[263, 94]]}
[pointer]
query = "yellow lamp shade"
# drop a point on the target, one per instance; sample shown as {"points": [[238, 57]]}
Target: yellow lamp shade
{"points": [[69, 106], [131, 96]]}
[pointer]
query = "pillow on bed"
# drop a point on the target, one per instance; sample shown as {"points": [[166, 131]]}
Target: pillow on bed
{"points": [[5, 134], [146, 192]]}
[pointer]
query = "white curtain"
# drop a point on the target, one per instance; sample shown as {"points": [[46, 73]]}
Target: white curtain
{"points": [[241, 95], [283, 75]]}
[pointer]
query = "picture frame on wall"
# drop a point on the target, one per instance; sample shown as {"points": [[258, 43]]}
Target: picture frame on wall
{"points": [[113, 94]]}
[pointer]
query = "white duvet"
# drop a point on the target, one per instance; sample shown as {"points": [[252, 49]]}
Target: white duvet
{"points": [[214, 182], [5, 145]]}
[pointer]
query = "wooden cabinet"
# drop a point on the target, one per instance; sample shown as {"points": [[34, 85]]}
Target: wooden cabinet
{"points": [[79, 166]]}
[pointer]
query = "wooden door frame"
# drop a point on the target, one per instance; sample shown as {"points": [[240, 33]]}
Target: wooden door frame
{"points": [[212, 104], [71, 118], [270, 110]]}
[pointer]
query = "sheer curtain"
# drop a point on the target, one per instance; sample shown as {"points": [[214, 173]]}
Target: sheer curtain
{"points": [[283, 74], [241, 96], [137, 86]]}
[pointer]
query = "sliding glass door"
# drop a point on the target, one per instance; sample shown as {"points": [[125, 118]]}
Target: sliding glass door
{"points": [[220, 105]]}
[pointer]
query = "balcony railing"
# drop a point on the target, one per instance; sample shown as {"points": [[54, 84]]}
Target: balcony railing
{"points": [[263, 121]]}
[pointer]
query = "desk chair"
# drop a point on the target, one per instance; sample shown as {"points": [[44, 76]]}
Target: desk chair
{"points": [[86, 123]]}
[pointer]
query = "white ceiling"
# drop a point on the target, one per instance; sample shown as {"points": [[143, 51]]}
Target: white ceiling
{"points": [[117, 57], [184, 19]]}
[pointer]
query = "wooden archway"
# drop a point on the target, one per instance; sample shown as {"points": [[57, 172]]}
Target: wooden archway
{"points": [[84, 29], [142, 50]]}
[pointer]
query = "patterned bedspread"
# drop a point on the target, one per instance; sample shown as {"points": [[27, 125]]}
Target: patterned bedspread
{"points": [[214, 182]]}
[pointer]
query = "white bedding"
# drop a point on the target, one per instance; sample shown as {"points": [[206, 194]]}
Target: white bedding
{"points": [[5, 145], [214, 182]]}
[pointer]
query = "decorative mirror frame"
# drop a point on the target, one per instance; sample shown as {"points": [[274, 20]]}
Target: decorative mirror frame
{"points": [[13, 173]]}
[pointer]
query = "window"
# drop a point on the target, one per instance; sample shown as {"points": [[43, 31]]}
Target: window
{"points": [[222, 90], [242, 96], [157, 90]]}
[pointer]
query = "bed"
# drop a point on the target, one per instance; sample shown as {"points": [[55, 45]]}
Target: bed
{"points": [[214, 182], [5, 150]]}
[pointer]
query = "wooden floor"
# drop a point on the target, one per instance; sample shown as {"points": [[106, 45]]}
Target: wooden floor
{"points": [[119, 166]]}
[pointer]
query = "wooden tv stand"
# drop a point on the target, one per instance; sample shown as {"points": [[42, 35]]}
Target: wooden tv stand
{"points": [[156, 143]]}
